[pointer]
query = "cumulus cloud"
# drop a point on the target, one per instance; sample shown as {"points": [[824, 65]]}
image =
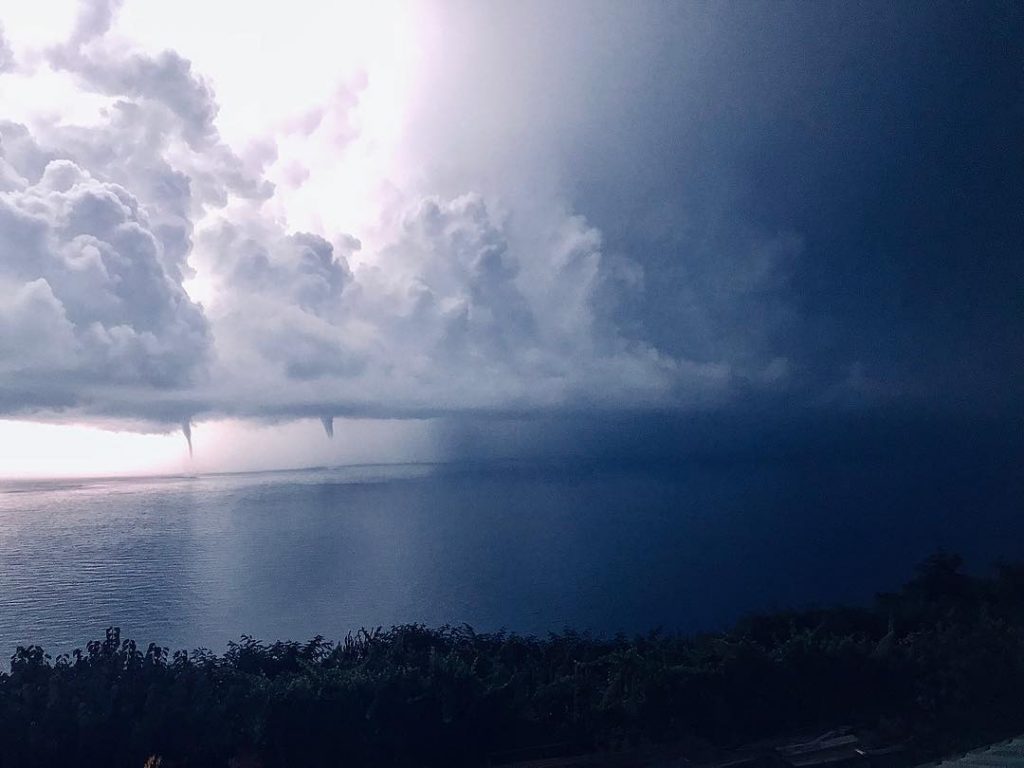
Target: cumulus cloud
{"points": [[467, 301], [89, 310], [457, 311]]}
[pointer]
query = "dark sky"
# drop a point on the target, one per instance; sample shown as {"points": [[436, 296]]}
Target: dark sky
{"points": [[884, 138]]}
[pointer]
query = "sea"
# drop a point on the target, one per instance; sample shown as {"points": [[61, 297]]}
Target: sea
{"points": [[529, 547]]}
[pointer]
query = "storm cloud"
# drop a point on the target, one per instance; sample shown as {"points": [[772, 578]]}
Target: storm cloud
{"points": [[89, 309], [601, 209]]}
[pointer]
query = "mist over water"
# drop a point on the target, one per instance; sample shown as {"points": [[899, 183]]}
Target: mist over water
{"points": [[531, 547]]}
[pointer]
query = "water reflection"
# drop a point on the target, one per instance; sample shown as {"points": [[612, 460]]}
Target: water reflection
{"points": [[189, 562]]}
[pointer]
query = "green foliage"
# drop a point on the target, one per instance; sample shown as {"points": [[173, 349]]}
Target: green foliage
{"points": [[940, 663]]}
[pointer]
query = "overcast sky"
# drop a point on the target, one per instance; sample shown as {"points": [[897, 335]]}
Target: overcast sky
{"points": [[444, 220]]}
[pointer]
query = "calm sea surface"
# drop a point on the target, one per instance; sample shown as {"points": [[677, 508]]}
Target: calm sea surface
{"points": [[192, 562]]}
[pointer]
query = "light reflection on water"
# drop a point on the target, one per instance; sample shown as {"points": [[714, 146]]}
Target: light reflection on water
{"points": [[199, 561]]}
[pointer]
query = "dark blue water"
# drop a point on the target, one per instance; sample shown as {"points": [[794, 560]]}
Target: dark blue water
{"points": [[198, 561]]}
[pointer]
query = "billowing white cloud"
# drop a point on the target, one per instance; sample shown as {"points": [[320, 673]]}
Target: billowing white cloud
{"points": [[459, 300], [459, 311], [89, 309]]}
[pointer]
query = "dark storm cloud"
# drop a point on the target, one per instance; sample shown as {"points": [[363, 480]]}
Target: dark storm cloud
{"points": [[833, 184], [883, 138], [769, 208], [754, 432]]}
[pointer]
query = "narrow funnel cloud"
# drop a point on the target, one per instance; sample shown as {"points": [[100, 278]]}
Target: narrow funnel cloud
{"points": [[186, 430], [328, 422]]}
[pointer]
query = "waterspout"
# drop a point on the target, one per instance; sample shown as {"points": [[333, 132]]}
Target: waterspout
{"points": [[186, 430]]}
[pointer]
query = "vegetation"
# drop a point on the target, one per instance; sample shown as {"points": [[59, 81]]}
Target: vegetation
{"points": [[940, 664]]}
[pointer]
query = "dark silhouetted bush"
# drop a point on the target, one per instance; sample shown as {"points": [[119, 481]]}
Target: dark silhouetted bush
{"points": [[940, 663]]}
